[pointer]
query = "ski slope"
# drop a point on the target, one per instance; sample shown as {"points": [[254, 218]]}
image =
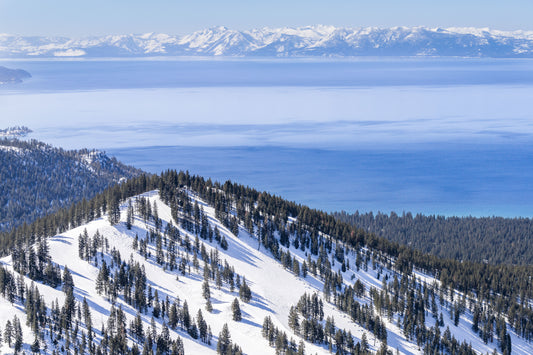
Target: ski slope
{"points": [[274, 289]]}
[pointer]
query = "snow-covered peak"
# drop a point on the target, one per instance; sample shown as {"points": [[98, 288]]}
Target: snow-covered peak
{"points": [[317, 40]]}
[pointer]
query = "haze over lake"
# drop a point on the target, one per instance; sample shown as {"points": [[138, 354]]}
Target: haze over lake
{"points": [[436, 136]]}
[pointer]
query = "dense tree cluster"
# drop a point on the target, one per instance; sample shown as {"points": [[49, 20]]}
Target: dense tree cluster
{"points": [[312, 327], [225, 345], [478, 239], [279, 339], [34, 262]]}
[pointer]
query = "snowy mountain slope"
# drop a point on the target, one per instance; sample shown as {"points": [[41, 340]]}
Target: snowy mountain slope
{"points": [[262, 273], [275, 288], [324, 41]]}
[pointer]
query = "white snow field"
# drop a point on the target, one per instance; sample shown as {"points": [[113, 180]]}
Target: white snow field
{"points": [[274, 290]]}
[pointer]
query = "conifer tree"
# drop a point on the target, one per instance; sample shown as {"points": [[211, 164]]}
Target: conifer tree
{"points": [[244, 291], [206, 293], [8, 333], [218, 280], [202, 326], [163, 341], [17, 330], [173, 316], [224, 243], [236, 309], [224, 341], [36, 346], [68, 282], [364, 343], [294, 322], [209, 306], [185, 316], [113, 210], [129, 215]]}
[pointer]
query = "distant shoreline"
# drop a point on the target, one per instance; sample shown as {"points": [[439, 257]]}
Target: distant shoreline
{"points": [[12, 76], [15, 132]]}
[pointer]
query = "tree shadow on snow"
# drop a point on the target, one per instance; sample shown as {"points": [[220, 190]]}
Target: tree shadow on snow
{"points": [[259, 302]]}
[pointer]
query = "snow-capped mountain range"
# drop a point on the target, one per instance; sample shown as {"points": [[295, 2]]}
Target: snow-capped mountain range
{"points": [[311, 41]]}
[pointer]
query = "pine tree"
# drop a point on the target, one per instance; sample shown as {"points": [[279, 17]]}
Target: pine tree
{"points": [[364, 343], [173, 316], [8, 333], [202, 326], [36, 346], [43, 253], [206, 293], [17, 329], [177, 347], [153, 330], [185, 316], [83, 240], [163, 341], [68, 282], [224, 341], [193, 331], [236, 309], [114, 210], [294, 322], [138, 330], [209, 306], [129, 215], [218, 280], [301, 348], [102, 279], [244, 291], [224, 243]]}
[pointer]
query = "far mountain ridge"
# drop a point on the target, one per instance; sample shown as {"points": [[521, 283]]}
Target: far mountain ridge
{"points": [[310, 41], [12, 75]]}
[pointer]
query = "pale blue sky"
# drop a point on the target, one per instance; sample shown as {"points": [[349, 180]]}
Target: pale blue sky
{"points": [[96, 17]]}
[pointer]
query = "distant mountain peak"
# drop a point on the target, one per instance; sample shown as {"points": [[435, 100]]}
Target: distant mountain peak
{"points": [[307, 41]]}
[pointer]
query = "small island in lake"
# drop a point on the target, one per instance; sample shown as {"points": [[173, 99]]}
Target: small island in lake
{"points": [[10, 76]]}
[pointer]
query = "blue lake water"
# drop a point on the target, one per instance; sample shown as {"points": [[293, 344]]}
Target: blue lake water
{"points": [[436, 136], [450, 180]]}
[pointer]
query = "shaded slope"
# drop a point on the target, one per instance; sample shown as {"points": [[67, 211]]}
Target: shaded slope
{"points": [[38, 179]]}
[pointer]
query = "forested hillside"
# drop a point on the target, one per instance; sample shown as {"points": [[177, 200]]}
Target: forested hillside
{"points": [[493, 240], [37, 179], [177, 264]]}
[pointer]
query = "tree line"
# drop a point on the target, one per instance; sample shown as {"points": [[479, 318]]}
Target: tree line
{"points": [[477, 239]]}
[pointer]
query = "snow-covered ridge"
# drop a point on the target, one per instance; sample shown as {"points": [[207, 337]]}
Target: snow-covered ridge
{"points": [[275, 287], [319, 40]]}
